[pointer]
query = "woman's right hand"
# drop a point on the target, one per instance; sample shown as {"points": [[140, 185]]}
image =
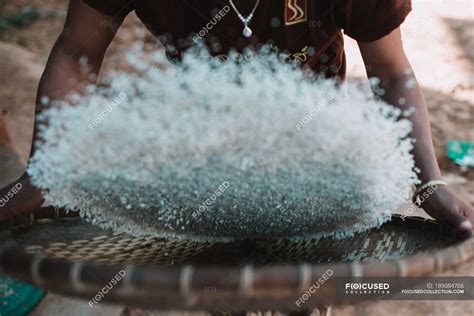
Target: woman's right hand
{"points": [[20, 197]]}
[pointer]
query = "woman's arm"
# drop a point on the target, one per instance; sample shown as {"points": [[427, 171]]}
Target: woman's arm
{"points": [[386, 60], [73, 64]]}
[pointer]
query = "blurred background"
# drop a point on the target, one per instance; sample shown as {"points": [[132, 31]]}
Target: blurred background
{"points": [[439, 42]]}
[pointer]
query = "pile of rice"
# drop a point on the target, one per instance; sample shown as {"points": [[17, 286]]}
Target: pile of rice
{"points": [[212, 150]]}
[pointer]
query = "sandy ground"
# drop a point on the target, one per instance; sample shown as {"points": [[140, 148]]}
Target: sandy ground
{"points": [[439, 42]]}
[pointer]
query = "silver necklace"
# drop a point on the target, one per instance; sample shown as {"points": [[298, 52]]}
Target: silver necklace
{"points": [[247, 31]]}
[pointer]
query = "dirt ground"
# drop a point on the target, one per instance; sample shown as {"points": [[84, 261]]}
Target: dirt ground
{"points": [[439, 42]]}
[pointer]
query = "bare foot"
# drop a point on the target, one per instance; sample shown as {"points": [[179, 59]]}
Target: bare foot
{"points": [[19, 197], [446, 206]]}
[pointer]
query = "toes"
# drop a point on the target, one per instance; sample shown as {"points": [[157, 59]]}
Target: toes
{"points": [[458, 221], [467, 225], [465, 229]]}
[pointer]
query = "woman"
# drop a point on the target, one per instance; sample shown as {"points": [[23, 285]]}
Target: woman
{"points": [[309, 31]]}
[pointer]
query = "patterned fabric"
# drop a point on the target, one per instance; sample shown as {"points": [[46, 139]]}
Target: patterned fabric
{"points": [[303, 30]]}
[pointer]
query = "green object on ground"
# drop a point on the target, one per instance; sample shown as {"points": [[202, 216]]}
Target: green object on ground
{"points": [[461, 152], [18, 298], [26, 16]]}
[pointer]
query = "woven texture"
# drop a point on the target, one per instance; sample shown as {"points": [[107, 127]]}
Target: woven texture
{"points": [[73, 239], [65, 254]]}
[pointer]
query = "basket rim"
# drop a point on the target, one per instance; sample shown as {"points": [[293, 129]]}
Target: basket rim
{"points": [[272, 286]]}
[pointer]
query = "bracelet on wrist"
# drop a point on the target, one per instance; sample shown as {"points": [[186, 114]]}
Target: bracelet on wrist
{"points": [[423, 187]]}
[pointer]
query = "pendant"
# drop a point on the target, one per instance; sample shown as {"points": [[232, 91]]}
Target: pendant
{"points": [[247, 32]]}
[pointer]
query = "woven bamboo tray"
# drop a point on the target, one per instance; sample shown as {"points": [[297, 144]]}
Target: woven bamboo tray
{"points": [[60, 252]]}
